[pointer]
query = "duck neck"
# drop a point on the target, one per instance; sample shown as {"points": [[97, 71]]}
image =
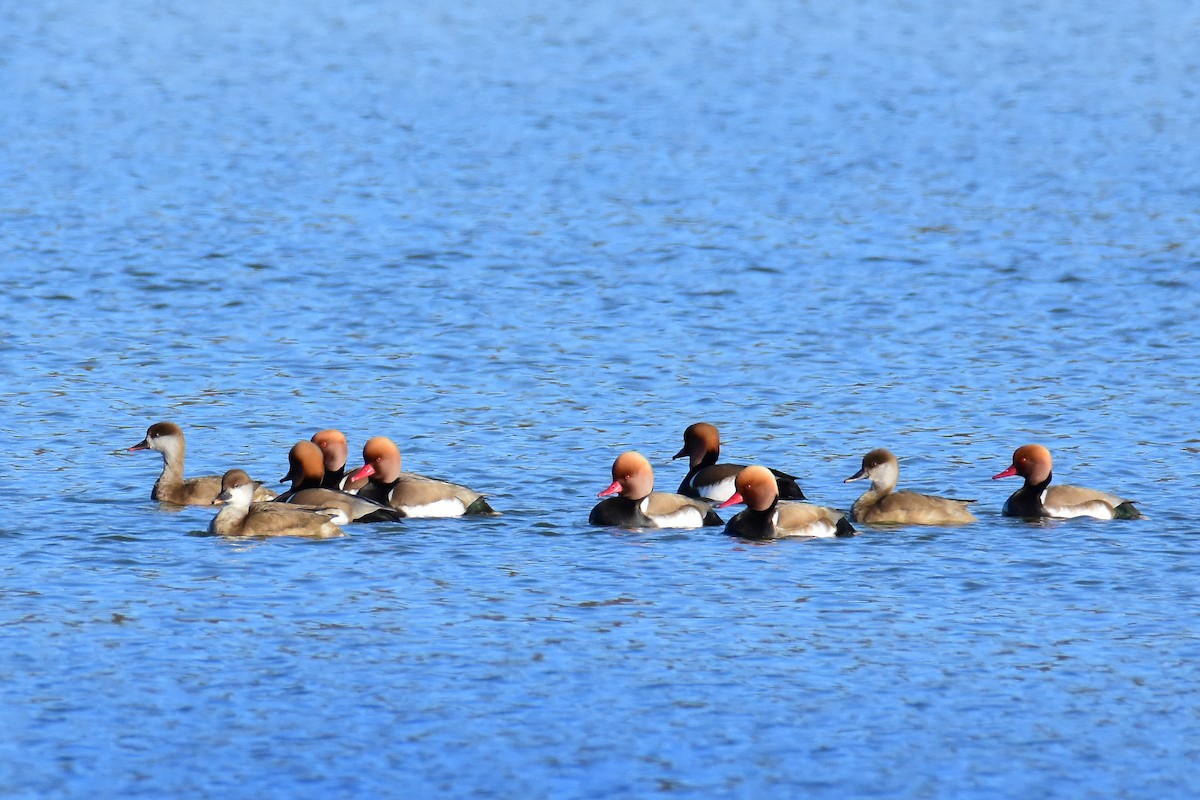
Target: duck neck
{"points": [[760, 524], [1038, 488], [333, 478], [377, 490], [229, 519], [877, 492], [308, 482], [171, 478], [1027, 501]]}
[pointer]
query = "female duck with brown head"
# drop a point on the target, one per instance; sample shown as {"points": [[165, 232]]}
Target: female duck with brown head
{"points": [[766, 517], [880, 505], [306, 469], [167, 439], [411, 494], [1037, 498], [242, 517], [637, 505], [712, 481], [335, 452]]}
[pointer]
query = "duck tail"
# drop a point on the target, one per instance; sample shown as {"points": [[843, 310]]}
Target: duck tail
{"points": [[1127, 510], [382, 515], [481, 507]]}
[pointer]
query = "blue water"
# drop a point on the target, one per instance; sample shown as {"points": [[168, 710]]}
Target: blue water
{"points": [[521, 237]]}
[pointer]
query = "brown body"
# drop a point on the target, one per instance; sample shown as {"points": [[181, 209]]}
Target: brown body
{"points": [[171, 487], [882, 505], [637, 505], [412, 494], [241, 517]]}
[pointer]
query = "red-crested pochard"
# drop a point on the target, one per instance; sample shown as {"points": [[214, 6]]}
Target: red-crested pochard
{"points": [[335, 452], [1037, 498], [171, 487], [242, 517], [411, 494], [880, 505], [306, 468], [637, 505], [766, 517], [712, 481]]}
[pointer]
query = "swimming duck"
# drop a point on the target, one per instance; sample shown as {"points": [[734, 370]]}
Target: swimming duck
{"points": [[880, 505], [637, 505], [765, 517], [171, 487], [1037, 498], [712, 481], [412, 494], [241, 517]]}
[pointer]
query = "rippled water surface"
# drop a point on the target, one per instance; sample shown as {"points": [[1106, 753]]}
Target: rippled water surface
{"points": [[521, 237]]}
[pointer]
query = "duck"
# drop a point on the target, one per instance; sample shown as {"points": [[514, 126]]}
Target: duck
{"points": [[335, 452], [306, 469], [712, 481], [766, 517], [171, 487], [411, 494], [240, 516], [637, 505], [880, 505], [1037, 498]]}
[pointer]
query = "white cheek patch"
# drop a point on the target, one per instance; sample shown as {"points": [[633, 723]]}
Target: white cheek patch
{"points": [[452, 507], [718, 492]]}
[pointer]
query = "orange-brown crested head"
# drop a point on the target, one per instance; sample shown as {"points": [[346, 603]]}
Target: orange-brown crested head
{"points": [[699, 440], [757, 488], [381, 461], [633, 477], [306, 465], [1032, 462], [333, 446]]}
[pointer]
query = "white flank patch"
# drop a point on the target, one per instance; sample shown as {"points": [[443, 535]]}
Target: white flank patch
{"points": [[1096, 509], [818, 529], [822, 530], [452, 507], [686, 517], [718, 492]]}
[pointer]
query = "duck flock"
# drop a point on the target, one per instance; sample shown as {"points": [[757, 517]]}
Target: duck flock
{"points": [[324, 496]]}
